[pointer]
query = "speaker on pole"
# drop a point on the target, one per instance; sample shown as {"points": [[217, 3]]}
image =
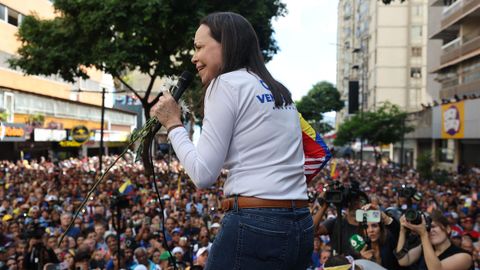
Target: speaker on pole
{"points": [[352, 97]]}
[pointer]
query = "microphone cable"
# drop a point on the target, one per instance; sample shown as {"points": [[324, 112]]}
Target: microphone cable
{"points": [[183, 82]]}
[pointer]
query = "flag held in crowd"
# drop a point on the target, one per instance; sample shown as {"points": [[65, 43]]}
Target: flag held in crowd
{"points": [[316, 151], [126, 187]]}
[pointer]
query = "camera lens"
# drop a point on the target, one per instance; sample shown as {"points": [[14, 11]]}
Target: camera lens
{"points": [[413, 216]]}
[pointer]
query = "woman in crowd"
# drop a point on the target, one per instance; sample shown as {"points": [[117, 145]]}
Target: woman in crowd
{"points": [[436, 252], [382, 237]]}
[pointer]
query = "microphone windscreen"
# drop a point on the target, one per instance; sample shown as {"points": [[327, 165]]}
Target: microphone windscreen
{"points": [[357, 242]]}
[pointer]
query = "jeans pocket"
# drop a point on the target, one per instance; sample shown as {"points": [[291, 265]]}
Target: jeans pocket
{"points": [[261, 248]]}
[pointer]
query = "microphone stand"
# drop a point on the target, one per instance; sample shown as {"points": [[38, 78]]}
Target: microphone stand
{"points": [[338, 228]]}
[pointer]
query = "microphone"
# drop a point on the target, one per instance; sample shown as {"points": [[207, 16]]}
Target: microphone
{"points": [[357, 242], [183, 82]]}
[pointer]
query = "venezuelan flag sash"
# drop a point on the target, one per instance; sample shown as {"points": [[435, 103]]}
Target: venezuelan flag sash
{"points": [[316, 151]]}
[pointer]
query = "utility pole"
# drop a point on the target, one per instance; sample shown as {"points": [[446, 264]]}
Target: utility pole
{"points": [[364, 76], [102, 124]]}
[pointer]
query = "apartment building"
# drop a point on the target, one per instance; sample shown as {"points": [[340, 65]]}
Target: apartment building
{"points": [[455, 115], [382, 57], [39, 112]]}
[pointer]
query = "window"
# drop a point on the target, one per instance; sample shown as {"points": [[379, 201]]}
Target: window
{"points": [[447, 150], [13, 17], [2, 13], [417, 51], [416, 32], [415, 72], [9, 105], [10, 16]]}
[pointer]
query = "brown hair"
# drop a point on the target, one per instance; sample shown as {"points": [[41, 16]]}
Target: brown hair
{"points": [[240, 49]]}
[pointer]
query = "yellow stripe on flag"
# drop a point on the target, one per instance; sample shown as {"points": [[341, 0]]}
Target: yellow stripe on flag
{"points": [[124, 186]]}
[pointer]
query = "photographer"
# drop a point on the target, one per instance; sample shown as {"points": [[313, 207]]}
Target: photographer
{"points": [[436, 252], [352, 199], [37, 255]]}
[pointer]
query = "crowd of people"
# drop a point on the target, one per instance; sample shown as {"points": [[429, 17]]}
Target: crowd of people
{"points": [[39, 198]]}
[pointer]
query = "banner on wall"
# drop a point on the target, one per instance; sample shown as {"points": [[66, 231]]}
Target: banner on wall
{"points": [[453, 120]]}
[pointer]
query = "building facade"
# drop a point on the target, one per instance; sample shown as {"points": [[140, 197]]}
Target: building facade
{"points": [[382, 56], [45, 110], [455, 114]]}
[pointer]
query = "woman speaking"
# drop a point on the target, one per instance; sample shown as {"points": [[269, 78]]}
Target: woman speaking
{"points": [[251, 127]]}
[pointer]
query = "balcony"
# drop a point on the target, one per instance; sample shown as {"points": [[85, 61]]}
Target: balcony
{"points": [[459, 50], [461, 89], [452, 15]]}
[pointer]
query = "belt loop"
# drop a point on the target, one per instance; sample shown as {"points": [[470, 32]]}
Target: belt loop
{"points": [[235, 202]]}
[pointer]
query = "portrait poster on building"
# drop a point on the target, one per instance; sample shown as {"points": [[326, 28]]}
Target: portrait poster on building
{"points": [[453, 120]]}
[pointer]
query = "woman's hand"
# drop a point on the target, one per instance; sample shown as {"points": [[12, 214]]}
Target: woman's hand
{"points": [[167, 111], [420, 229], [366, 254]]}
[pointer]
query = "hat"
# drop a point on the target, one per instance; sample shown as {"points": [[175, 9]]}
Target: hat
{"points": [[109, 234], [164, 256], [166, 197], [140, 267], [177, 250], [215, 225], [7, 217], [50, 198], [455, 234], [176, 230], [201, 250]]}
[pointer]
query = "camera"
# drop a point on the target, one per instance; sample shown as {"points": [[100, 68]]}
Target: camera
{"points": [[119, 200], [409, 193], [341, 195], [413, 216], [34, 231]]}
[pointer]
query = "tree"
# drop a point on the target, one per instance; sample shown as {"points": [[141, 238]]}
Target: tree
{"points": [[385, 126], [152, 36], [322, 98]]}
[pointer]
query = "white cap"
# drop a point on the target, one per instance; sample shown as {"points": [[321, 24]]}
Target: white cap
{"points": [[215, 225], [177, 250], [201, 250], [140, 267]]}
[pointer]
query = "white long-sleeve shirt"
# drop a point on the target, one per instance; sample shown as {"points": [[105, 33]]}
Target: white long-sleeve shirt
{"points": [[259, 144]]}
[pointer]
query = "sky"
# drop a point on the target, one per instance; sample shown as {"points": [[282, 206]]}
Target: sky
{"points": [[307, 38]]}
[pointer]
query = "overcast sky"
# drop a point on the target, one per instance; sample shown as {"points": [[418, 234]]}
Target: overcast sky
{"points": [[306, 37]]}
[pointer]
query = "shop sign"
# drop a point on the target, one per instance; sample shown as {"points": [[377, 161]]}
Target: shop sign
{"points": [[10, 132], [49, 135], [80, 134], [70, 144], [453, 124], [111, 136]]}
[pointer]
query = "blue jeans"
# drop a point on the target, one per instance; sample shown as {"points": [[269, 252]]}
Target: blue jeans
{"points": [[263, 238]]}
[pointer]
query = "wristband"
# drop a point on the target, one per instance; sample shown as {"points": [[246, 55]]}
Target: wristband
{"points": [[173, 127], [399, 255]]}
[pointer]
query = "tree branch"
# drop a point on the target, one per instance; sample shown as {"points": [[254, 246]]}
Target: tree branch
{"points": [[129, 87], [149, 87]]}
